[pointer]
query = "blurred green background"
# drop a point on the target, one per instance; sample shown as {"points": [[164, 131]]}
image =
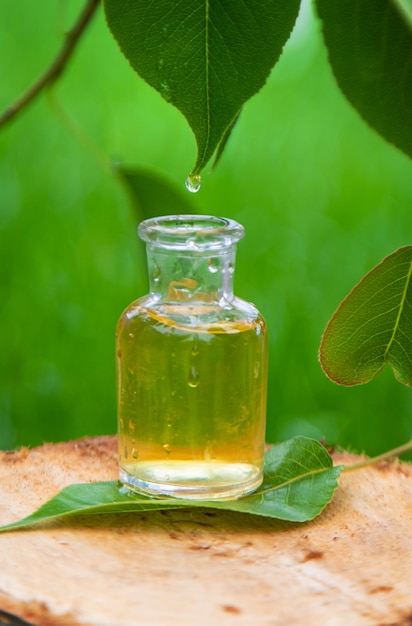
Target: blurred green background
{"points": [[322, 197]]}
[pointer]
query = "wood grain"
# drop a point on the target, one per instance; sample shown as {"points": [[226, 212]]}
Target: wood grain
{"points": [[351, 566]]}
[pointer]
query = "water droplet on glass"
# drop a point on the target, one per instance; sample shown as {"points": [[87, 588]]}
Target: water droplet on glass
{"points": [[135, 453], [125, 452], [156, 273], [213, 265], [119, 354], [191, 243], [167, 448], [193, 182], [208, 454], [231, 267], [193, 378], [195, 345], [131, 336], [256, 369]]}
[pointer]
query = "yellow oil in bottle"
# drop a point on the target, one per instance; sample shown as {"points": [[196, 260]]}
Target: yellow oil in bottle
{"points": [[191, 401]]}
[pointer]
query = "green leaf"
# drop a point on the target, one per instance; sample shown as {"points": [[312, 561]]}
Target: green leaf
{"points": [[405, 9], [224, 140], [299, 482], [151, 194], [373, 325], [370, 51], [206, 57], [91, 499]]}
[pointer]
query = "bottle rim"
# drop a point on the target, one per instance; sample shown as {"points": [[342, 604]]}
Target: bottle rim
{"points": [[191, 232]]}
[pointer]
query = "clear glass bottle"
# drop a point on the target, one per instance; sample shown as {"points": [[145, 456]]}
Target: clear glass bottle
{"points": [[191, 368]]}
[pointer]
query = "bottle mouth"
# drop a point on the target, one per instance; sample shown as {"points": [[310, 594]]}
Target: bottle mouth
{"points": [[191, 232]]}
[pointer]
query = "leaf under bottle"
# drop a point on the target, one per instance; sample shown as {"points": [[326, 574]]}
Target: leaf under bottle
{"points": [[299, 481]]}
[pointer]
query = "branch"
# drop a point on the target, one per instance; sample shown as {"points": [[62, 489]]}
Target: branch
{"points": [[406, 447], [55, 69]]}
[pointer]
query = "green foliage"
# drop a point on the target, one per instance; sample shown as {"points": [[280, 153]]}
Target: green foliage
{"points": [[299, 482], [373, 325], [206, 58], [370, 50]]}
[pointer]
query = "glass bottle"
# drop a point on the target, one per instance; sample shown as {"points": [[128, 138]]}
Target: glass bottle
{"points": [[191, 368]]}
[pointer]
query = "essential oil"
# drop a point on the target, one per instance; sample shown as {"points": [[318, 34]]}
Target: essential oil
{"points": [[192, 373]]}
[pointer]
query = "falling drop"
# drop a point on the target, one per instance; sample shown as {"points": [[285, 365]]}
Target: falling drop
{"points": [[193, 182], [193, 378]]}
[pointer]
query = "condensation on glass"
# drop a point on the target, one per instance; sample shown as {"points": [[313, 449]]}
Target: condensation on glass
{"points": [[191, 368]]}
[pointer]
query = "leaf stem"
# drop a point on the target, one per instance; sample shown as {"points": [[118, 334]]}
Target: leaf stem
{"points": [[406, 447], [55, 69]]}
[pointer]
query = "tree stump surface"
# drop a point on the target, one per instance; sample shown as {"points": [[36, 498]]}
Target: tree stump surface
{"points": [[351, 566]]}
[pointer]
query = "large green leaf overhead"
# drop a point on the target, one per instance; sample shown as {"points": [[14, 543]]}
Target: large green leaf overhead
{"points": [[373, 325], [369, 44], [206, 57]]}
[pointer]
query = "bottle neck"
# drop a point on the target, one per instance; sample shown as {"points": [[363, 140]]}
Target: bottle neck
{"points": [[191, 277]]}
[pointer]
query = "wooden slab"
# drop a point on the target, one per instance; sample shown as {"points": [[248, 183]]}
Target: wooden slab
{"points": [[352, 566]]}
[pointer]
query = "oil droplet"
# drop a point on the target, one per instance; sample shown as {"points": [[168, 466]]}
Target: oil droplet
{"points": [[193, 182], [193, 378], [167, 448]]}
